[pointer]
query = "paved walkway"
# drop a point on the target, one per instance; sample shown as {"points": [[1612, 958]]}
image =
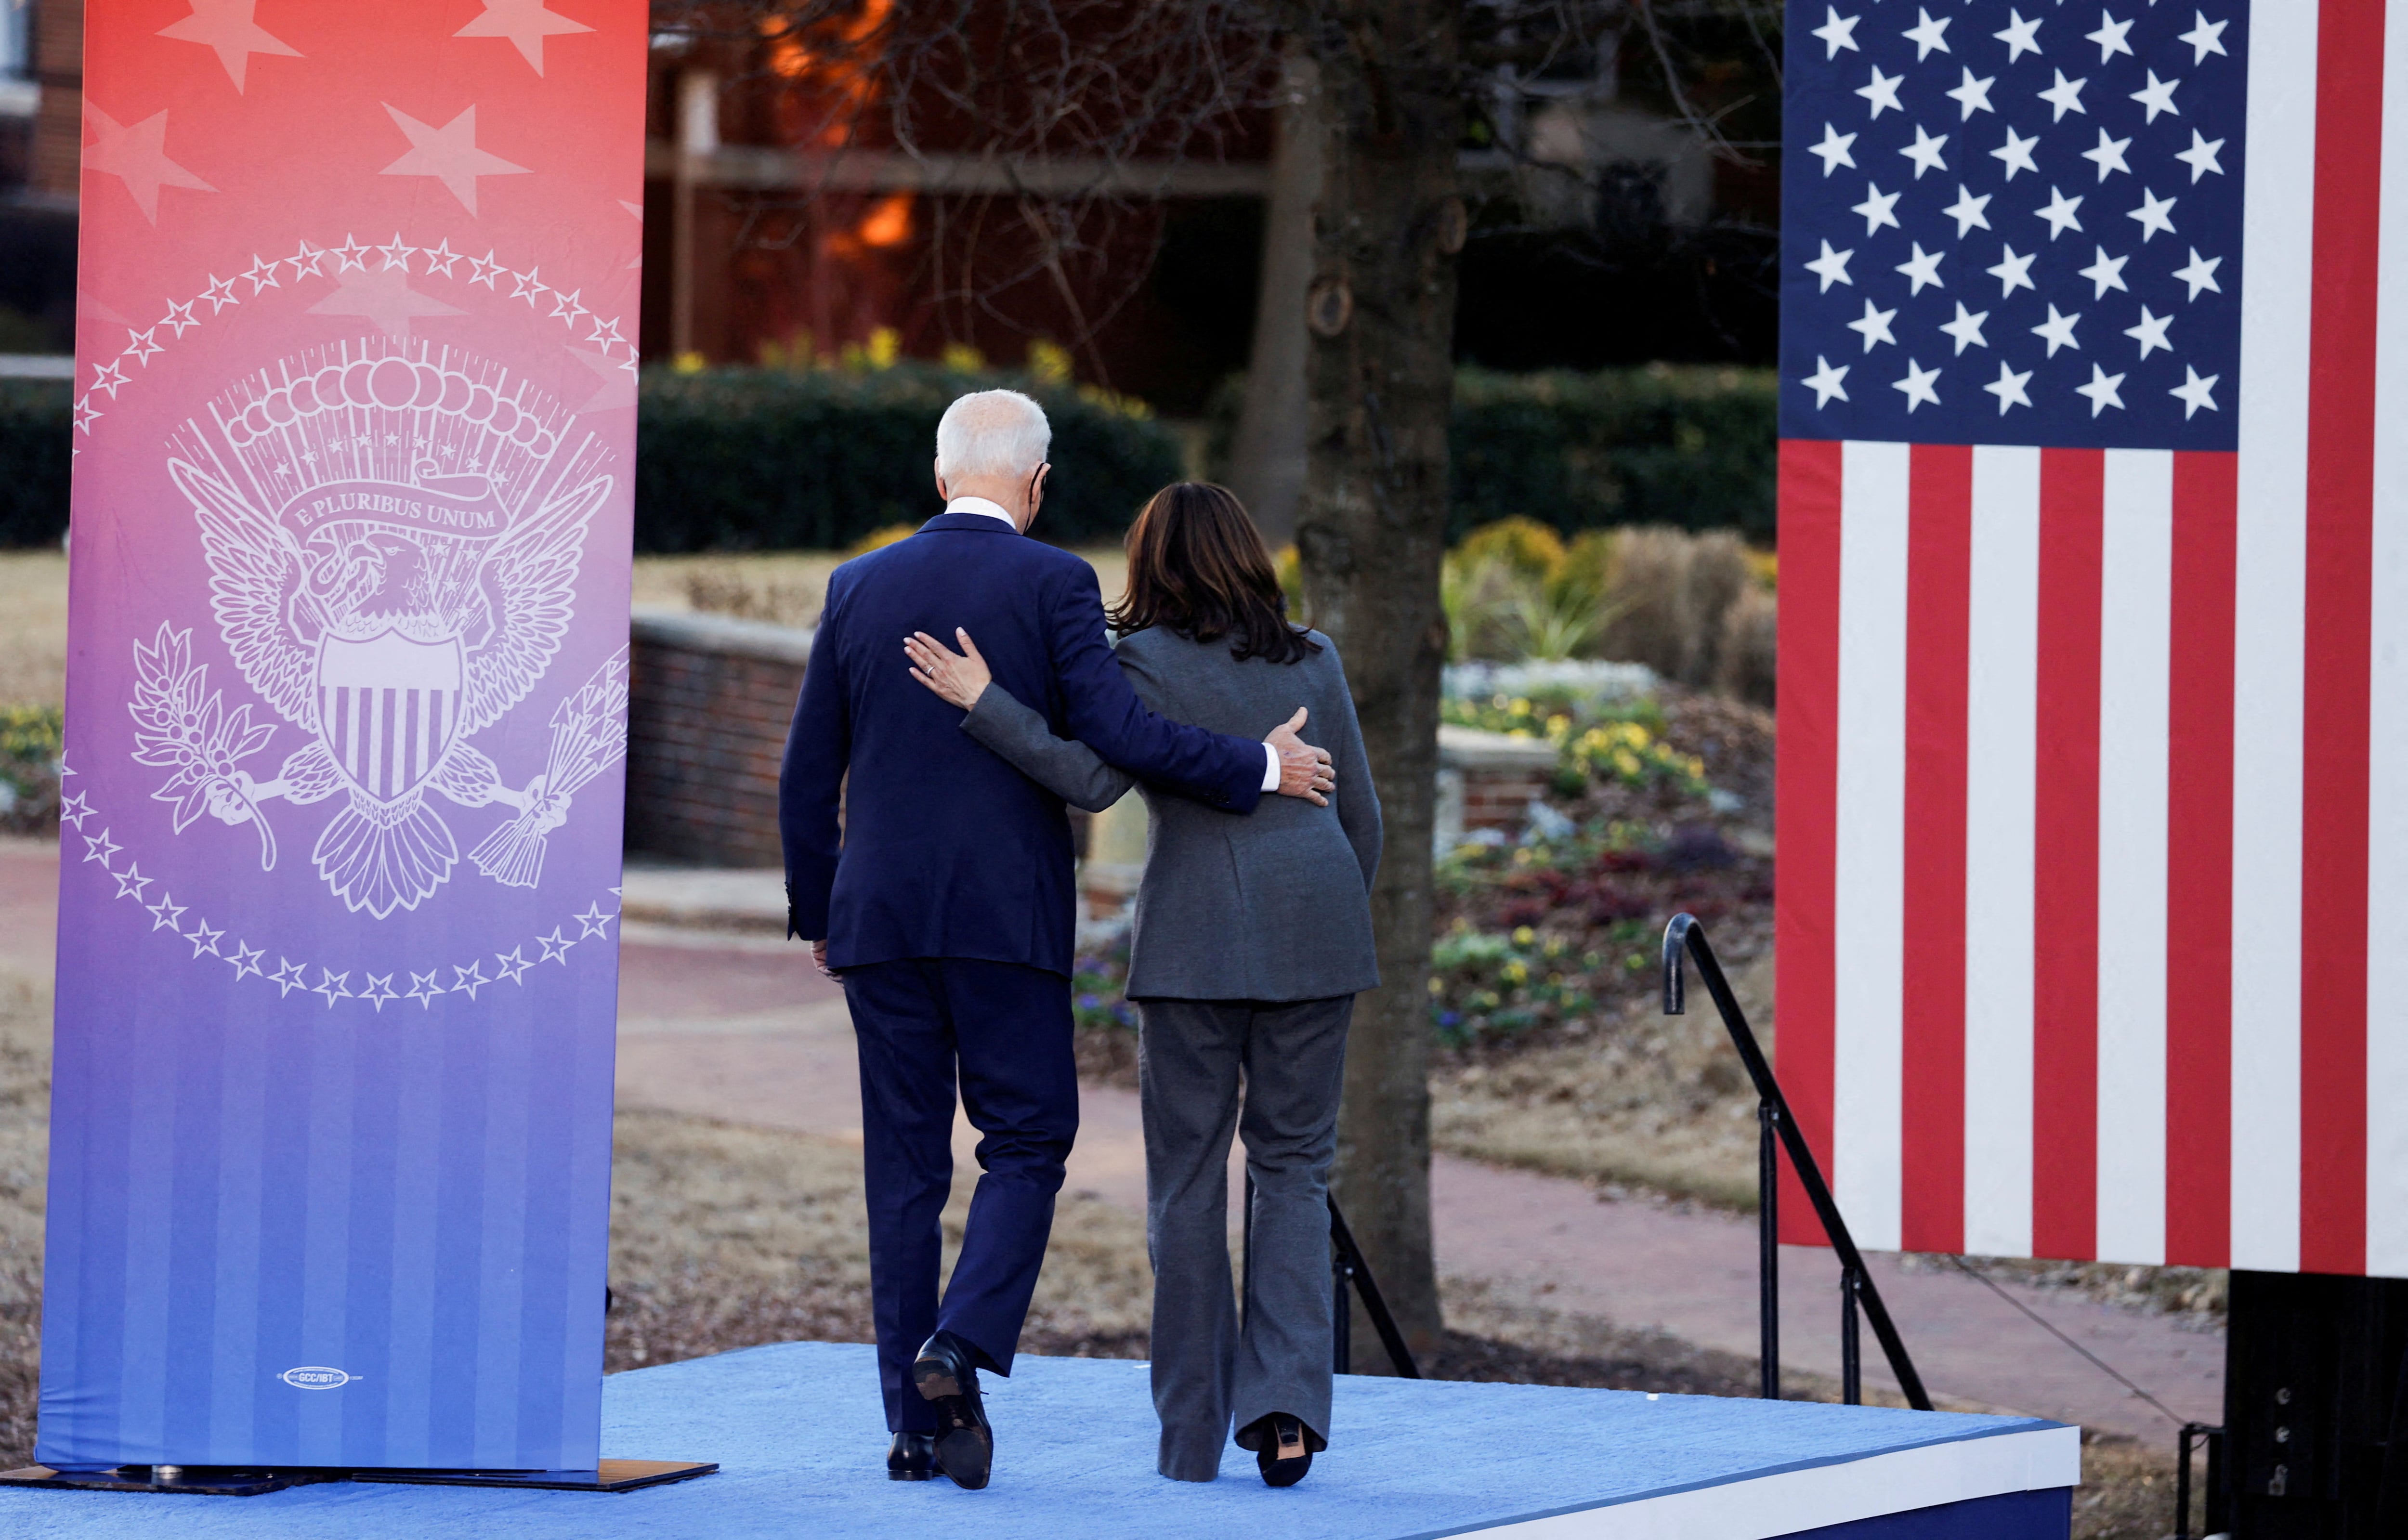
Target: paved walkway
{"points": [[734, 1024]]}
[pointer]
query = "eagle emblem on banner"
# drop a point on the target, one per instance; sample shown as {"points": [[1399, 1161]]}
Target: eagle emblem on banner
{"points": [[393, 532]]}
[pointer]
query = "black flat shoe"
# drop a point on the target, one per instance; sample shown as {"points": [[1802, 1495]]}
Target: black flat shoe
{"points": [[1282, 1447], [912, 1457], [946, 1374]]}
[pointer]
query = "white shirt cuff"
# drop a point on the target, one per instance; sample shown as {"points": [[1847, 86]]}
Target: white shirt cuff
{"points": [[1270, 768]]}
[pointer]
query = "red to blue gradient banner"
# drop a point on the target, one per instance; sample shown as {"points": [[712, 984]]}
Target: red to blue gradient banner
{"points": [[346, 712]]}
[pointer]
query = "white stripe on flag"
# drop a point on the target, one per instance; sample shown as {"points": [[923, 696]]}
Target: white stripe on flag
{"points": [[2269, 652], [1868, 932], [2001, 710], [2386, 897], [2135, 659]]}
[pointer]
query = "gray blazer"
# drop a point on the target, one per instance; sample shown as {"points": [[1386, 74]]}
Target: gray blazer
{"points": [[1274, 905]]}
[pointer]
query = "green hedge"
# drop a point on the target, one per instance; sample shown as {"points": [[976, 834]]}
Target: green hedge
{"points": [[742, 458], [768, 459], [36, 418], [1692, 447], [765, 459]]}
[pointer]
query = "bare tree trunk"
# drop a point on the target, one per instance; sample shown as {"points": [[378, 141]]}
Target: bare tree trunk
{"points": [[1372, 532], [1266, 464]]}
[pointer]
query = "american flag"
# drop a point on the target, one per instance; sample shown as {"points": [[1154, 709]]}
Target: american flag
{"points": [[2093, 929]]}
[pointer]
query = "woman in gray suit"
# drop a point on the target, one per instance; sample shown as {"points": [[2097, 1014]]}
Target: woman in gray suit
{"points": [[1252, 937]]}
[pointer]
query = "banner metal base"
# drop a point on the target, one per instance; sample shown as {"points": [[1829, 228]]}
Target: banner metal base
{"points": [[614, 1476]]}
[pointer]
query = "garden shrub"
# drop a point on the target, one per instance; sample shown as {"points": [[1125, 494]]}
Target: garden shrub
{"points": [[776, 459], [36, 420]]}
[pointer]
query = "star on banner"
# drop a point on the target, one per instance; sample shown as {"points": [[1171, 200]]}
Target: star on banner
{"points": [[526, 23], [1825, 381], [396, 253], [594, 921], [2195, 392], [511, 964], [616, 392], [204, 938], [423, 988], [448, 154], [136, 153], [245, 960], [289, 975], [384, 297], [555, 946], [227, 26]]}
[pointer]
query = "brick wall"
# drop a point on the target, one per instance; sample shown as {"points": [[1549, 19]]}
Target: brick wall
{"points": [[58, 126], [709, 702]]}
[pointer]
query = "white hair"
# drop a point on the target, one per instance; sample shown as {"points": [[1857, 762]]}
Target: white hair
{"points": [[992, 433]]}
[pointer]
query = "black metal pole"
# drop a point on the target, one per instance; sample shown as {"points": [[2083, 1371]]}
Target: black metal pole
{"points": [[1685, 934], [1399, 1356], [1768, 1249], [1852, 1369], [1342, 1311]]}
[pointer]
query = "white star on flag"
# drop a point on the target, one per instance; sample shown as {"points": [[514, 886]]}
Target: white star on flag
{"points": [[2110, 36], [1883, 92], [136, 154], [1927, 35], [2012, 272], [2057, 331], [384, 297], [351, 254], [1972, 95], [2017, 154], [485, 270], [180, 316], [2194, 392], [2200, 156], [2152, 215], [1917, 385], [1967, 210], [1924, 152], [396, 253], [2009, 388], [1876, 209], [526, 24], [220, 293], [2065, 96], [2151, 333], [2059, 212], [2158, 96], [2205, 37], [1833, 150], [1922, 270], [226, 26], [2199, 272], [2103, 391], [2021, 36], [440, 257], [1831, 267], [1837, 32], [1873, 325], [305, 259], [2108, 155], [2105, 272], [1966, 328], [448, 154]]}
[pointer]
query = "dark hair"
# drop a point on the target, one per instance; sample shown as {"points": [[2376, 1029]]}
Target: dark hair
{"points": [[1198, 565]]}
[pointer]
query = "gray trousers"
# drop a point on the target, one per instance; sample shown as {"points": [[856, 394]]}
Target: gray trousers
{"points": [[1208, 1372]]}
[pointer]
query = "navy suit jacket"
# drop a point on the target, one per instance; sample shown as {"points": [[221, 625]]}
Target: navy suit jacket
{"points": [[944, 848]]}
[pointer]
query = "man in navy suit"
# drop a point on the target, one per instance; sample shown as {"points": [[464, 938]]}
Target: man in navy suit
{"points": [[936, 882]]}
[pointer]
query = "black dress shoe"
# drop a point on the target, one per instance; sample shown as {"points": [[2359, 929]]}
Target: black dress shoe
{"points": [[913, 1458], [1283, 1446], [946, 1373]]}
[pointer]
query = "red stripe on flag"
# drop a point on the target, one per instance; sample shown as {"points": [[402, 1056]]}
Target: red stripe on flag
{"points": [[2199, 864], [1939, 583], [2340, 637], [2065, 858], [1807, 789]]}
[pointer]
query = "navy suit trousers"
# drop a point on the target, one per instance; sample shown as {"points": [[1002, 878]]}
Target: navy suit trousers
{"points": [[1007, 1029]]}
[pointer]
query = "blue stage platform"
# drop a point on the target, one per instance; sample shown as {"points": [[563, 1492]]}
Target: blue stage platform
{"points": [[795, 1429]]}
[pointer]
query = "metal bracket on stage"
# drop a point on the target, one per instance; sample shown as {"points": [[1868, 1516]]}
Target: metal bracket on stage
{"points": [[614, 1476], [1684, 934]]}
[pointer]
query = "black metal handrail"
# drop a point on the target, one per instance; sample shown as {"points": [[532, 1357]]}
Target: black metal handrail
{"points": [[1684, 936]]}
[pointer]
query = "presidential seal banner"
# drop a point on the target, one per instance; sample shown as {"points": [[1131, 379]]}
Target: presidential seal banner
{"points": [[345, 711]]}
